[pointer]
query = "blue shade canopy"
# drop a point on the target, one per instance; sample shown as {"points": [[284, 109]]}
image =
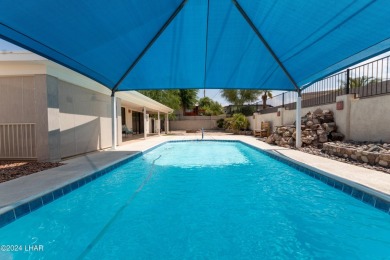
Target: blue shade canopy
{"points": [[171, 44]]}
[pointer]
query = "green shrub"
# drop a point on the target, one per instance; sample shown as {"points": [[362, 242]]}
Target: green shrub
{"points": [[240, 122], [227, 123], [220, 123]]}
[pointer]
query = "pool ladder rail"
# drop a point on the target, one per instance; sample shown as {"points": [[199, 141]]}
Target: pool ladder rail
{"points": [[203, 135]]}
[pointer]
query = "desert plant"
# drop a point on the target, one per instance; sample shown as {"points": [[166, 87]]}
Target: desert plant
{"points": [[239, 122], [227, 123]]}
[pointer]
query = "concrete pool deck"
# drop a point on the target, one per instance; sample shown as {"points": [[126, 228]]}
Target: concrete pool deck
{"points": [[21, 190]]}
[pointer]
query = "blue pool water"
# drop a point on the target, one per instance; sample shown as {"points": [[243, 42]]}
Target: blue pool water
{"points": [[202, 200]]}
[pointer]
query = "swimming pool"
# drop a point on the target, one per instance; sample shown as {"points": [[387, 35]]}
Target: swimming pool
{"points": [[201, 200]]}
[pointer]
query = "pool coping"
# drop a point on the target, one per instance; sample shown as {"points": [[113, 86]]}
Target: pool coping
{"points": [[367, 195]]}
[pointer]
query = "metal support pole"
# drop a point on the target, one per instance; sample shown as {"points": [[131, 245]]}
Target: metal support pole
{"points": [[113, 121], [298, 142], [145, 122], [159, 123], [347, 84], [283, 99]]}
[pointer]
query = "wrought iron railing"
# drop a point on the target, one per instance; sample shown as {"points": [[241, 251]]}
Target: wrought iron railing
{"points": [[366, 80]]}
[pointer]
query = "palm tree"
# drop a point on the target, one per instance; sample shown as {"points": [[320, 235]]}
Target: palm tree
{"points": [[358, 82], [265, 94]]}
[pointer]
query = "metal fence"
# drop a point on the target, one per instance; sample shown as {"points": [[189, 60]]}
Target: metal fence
{"points": [[370, 79], [366, 80], [247, 110]]}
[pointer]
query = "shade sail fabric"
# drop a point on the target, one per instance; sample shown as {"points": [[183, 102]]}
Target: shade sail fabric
{"points": [[208, 44]]}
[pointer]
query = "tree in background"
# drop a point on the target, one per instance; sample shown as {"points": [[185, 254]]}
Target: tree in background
{"points": [[265, 94], [169, 98], [239, 97], [359, 82], [188, 98], [211, 107], [173, 98]]}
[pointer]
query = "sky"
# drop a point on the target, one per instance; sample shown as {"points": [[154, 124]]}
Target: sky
{"points": [[6, 46]]}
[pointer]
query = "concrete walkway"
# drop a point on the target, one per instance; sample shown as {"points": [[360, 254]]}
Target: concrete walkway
{"points": [[20, 190]]}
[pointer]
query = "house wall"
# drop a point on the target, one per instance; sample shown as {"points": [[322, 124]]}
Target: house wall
{"points": [[23, 99], [69, 119], [370, 119], [129, 117], [56, 118], [84, 120]]}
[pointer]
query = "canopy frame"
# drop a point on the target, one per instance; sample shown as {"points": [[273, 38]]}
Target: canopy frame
{"points": [[147, 47], [298, 143], [264, 41]]}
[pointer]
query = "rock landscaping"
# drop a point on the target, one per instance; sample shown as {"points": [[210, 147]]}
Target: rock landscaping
{"points": [[10, 170], [370, 153], [320, 137], [319, 152], [317, 128]]}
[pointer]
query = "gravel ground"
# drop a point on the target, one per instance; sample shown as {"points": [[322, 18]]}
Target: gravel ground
{"points": [[14, 169], [318, 152]]}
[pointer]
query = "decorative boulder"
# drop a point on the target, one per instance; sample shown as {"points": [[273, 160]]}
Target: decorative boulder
{"points": [[317, 128]]}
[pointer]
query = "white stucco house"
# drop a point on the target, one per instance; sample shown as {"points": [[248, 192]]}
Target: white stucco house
{"points": [[49, 112]]}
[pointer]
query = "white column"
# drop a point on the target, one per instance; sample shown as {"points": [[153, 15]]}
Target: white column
{"points": [[113, 121], [298, 142], [145, 122], [166, 123], [159, 124]]}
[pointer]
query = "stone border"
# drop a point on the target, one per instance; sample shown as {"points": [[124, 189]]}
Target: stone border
{"points": [[357, 154]]}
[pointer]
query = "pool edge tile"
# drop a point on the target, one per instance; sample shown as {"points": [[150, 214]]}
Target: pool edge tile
{"points": [[7, 218]]}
